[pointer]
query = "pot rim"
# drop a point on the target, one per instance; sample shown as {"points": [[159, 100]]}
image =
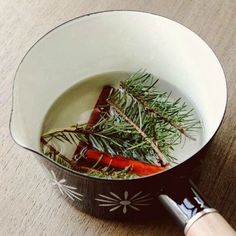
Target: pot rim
{"points": [[164, 174]]}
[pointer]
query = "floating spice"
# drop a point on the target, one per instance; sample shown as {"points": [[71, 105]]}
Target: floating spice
{"points": [[131, 131]]}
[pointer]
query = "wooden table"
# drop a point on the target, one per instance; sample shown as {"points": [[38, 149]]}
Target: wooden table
{"points": [[28, 203]]}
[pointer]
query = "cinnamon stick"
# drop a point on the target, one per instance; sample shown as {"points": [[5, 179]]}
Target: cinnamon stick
{"points": [[120, 162], [99, 107]]}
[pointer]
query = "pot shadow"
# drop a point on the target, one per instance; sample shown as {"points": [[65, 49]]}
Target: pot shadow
{"points": [[160, 224]]}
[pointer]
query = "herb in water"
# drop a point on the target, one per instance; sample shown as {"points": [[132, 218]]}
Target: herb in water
{"points": [[131, 132]]}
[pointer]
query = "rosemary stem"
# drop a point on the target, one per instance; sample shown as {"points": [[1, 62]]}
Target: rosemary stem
{"points": [[72, 129], [160, 155], [56, 152], [156, 111]]}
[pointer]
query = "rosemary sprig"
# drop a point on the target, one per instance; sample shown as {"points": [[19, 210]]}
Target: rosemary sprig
{"points": [[174, 113], [150, 136], [53, 153], [139, 130]]}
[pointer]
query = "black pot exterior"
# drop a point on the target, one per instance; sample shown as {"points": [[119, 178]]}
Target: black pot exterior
{"points": [[118, 200], [114, 199]]}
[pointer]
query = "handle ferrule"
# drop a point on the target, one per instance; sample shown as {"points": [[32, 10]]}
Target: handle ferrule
{"points": [[184, 203], [196, 217]]}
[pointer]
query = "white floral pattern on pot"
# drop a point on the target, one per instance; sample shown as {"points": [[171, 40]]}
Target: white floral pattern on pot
{"points": [[114, 202], [67, 190]]}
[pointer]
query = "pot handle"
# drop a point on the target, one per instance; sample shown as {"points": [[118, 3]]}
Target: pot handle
{"points": [[192, 212]]}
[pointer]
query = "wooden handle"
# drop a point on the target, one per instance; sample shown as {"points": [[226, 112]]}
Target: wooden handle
{"points": [[212, 224]]}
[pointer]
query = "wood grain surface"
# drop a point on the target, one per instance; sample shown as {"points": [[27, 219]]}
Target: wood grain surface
{"points": [[28, 203]]}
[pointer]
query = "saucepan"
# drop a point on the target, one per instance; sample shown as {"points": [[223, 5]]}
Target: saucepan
{"points": [[123, 41]]}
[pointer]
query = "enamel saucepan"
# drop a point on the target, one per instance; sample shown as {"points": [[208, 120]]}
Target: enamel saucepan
{"points": [[123, 41]]}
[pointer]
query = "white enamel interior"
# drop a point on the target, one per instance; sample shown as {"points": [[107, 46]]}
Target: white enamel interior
{"points": [[115, 41]]}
